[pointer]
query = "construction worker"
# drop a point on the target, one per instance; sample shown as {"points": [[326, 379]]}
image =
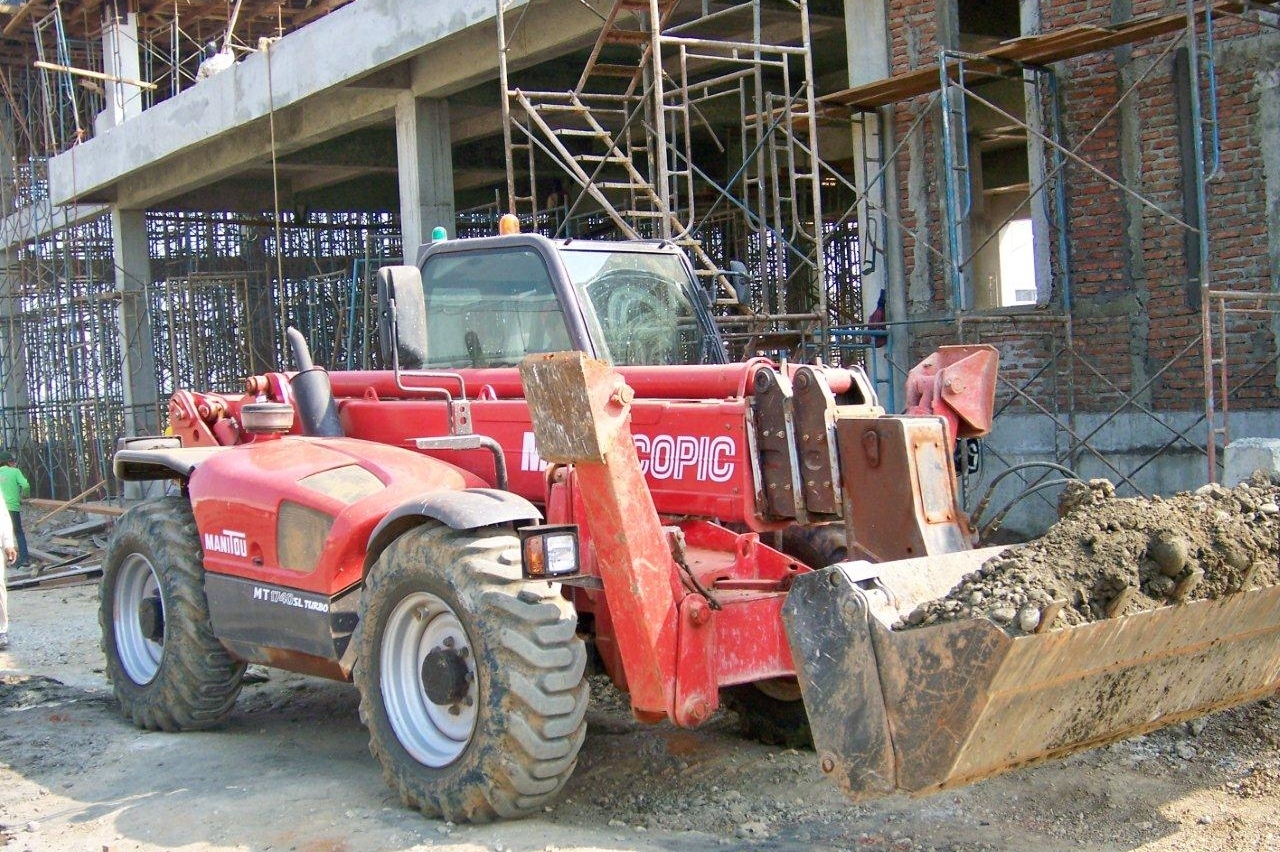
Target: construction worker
{"points": [[14, 487]]}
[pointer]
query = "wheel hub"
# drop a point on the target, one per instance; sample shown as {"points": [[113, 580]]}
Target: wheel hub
{"points": [[446, 677], [428, 679], [137, 618], [151, 618]]}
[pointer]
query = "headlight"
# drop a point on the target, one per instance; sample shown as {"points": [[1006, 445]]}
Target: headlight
{"points": [[547, 552]]}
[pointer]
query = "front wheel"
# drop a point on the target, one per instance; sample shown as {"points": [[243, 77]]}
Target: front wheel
{"points": [[167, 668], [471, 679]]}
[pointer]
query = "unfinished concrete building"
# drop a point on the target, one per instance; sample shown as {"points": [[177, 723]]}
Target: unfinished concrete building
{"points": [[1089, 186]]}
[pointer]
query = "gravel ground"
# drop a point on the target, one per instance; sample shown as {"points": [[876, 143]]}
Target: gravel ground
{"points": [[291, 771]]}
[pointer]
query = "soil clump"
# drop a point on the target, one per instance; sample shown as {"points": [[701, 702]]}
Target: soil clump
{"points": [[1109, 556]]}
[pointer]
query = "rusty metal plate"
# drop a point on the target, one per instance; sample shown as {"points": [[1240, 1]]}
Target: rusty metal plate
{"points": [[775, 444], [813, 407], [828, 629], [899, 487], [559, 387]]}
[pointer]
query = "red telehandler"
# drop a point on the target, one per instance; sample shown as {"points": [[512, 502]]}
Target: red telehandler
{"points": [[559, 458]]}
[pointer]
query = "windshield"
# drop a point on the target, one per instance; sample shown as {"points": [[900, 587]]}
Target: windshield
{"points": [[490, 309], [640, 305]]}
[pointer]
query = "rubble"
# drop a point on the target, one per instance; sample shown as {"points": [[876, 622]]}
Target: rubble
{"points": [[62, 548], [1109, 556]]}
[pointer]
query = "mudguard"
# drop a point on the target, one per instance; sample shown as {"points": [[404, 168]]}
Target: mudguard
{"points": [[460, 510], [283, 524], [146, 459]]}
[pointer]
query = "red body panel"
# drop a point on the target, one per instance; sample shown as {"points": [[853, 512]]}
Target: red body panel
{"points": [[686, 608], [236, 496], [694, 454], [687, 605]]}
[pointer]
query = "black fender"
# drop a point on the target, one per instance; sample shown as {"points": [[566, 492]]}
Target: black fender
{"points": [[144, 459], [468, 509]]}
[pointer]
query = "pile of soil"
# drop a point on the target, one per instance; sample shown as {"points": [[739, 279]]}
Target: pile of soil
{"points": [[1110, 556]]}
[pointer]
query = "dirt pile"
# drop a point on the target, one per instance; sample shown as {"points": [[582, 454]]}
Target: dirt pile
{"points": [[1109, 556]]}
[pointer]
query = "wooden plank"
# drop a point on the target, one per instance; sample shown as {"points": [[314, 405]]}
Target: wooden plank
{"points": [[97, 507], [94, 75], [1044, 49], [86, 528], [79, 572], [18, 17]]}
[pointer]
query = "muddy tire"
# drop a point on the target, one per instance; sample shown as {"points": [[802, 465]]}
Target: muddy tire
{"points": [[816, 545], [471, 679], [772, 712], [166, 667]]}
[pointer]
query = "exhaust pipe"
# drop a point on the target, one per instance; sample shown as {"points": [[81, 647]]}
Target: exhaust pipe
{"points": [[313, 395]]}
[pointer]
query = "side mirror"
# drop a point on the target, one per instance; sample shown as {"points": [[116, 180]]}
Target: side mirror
{"points": [[740, 278], [402, 317]]}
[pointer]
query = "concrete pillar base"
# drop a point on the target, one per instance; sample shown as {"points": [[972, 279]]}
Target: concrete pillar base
{"points": [[1246, 455]]}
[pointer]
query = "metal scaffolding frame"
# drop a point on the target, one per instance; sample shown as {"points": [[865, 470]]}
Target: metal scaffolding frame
{"points": [[217, 304], [955, 89], [624, 136]]}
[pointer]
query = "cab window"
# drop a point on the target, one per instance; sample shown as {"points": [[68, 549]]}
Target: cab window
{"points": [[490, 309]]}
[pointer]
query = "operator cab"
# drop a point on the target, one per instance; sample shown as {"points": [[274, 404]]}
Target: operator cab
{"points": [[490, 301]]}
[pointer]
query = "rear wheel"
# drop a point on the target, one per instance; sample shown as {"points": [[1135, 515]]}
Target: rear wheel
{"points": [[166, 667], [471, 679], [772, 711]]}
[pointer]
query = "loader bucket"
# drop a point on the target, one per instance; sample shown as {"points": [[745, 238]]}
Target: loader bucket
{"points": [[924, 709]]}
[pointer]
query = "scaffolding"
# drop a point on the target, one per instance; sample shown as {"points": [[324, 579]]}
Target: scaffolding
{"points": [[625, 137], [698, 123], [659, 95], [1069, 381]]}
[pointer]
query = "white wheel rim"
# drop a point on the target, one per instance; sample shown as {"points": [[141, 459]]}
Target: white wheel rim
{"points": [[434, 734], [139, 654]]}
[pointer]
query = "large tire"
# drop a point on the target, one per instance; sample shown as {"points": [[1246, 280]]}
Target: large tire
{"points": [[816, 545], [471, 679], [166, 667], [772, 711]]}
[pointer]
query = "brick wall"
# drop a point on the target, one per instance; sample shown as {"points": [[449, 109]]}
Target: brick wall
{"points": [[1134, 310]]}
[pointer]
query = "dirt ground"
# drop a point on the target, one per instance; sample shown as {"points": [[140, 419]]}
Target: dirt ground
{"points": [[291, 771]]}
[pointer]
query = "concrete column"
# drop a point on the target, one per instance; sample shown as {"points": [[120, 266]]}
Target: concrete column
{"points": [[1268, 130], [8, 162], [120, 59], [133, 277], [880, 240], [1038, 167], [14, 396], [13, 389], [13, 356], [425, 162]]}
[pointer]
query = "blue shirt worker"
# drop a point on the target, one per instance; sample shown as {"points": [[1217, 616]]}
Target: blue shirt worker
{"points": [[14, 487]]}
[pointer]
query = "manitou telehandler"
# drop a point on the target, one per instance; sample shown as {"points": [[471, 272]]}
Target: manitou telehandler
{"points": [[455, 532]]}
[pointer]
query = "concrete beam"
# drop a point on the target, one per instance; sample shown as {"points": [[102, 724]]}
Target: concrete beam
{"points": [[219, 126], [40, 220], [149, 185]]}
